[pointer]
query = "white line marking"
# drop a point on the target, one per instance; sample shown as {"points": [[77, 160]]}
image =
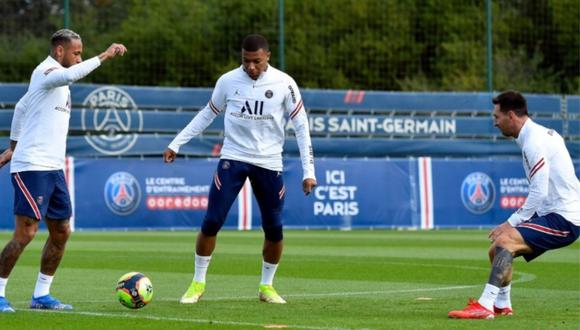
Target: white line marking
{"points": [[163, 318], [525, 277], [302, 295]]}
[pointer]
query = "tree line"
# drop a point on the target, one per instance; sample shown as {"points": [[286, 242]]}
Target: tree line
{"points": [[415, 45]]}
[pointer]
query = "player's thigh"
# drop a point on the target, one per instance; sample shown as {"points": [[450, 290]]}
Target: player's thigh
{"points": [[270, 192], [59, 203], [227, 181], [548, 232], [32, 191]]}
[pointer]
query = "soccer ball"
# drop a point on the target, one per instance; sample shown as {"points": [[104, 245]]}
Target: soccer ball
{"points": [[134, 290]]}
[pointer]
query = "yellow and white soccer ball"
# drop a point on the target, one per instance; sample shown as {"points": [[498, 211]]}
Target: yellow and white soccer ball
{"points": [[134, 290]]}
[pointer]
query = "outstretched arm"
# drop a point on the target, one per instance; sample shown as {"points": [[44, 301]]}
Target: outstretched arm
{"points": [[199, 123], [66, 76]]}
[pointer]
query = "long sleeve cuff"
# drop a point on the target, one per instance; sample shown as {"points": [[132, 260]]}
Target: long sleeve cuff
{"points": [[515, 220], [308, 174], [173, 146]]}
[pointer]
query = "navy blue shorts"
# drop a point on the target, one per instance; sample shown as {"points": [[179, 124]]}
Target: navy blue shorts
{"points": [[548, 232], [228, 180], [39, 194]]}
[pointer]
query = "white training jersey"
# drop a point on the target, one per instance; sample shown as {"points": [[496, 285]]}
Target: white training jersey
{"points": [[254, 119], [554, 187], [41, 117]]}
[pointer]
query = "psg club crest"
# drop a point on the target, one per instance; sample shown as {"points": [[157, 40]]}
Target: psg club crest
{"points": [[122, 193], [111, 115], [477, 193]]}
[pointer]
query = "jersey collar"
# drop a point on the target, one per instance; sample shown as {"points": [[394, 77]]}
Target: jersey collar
{"points": [[524, 132], [52, 61], [262, 76]]}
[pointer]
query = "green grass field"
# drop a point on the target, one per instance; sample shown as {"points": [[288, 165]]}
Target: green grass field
{"points": [[331, 280]]}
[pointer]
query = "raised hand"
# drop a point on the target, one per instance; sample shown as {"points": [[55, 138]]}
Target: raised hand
{"points": [[112, 51]]}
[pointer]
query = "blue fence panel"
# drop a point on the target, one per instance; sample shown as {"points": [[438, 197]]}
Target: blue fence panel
{"points": [[135, 121], [574, 149], [11, 93], [409, 126], [5, 119], [406, 126], [476, 193], [351, 193], [573, 104], [172, 98], [138, 144], [574, 128], [403, 126], [140, 96], [130, 193], [142, 194], [573, 108], [418, 101], [154, 144], [401, 101], [543, 104], [6, 199], [110, 132]]}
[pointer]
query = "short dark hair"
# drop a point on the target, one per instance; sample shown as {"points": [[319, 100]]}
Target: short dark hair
{"points": [[255, 42], [63, 36], [512, 101]]}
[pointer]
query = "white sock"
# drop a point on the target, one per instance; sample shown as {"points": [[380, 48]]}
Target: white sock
{"points": [[3, 282], [503, 298], [43, 283], [201, 266], [268, 271], [488, 296]]}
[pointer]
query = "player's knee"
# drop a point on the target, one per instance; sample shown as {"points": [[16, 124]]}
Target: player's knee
{"points": [[273, 233], [503, 241], [59, 234], [210, 227], [491, 252], [25, 235]]}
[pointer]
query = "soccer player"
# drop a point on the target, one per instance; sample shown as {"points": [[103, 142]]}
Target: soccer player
{"points": [[548, 220], [37, 151], [253, 99]]}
